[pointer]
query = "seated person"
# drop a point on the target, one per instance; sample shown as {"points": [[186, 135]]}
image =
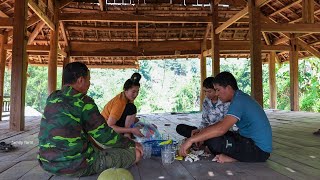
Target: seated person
{"points": [[120, 112], [253, 143], [70, 121], [213, 110]]}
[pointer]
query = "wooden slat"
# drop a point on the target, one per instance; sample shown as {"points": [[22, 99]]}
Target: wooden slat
{"points": [[104, 17], [18, 170], [41, 14]]}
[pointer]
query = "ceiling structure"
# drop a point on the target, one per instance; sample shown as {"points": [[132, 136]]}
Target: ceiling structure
{"points": [[118, 33]]}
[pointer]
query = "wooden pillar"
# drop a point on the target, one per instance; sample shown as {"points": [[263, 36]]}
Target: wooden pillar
{"points": [[294, 75], [272, 80], [53, 54], [215, 55], [203, 72], [255, 52], [3, 57], [18, 68], [66, 60], [308, 11]]}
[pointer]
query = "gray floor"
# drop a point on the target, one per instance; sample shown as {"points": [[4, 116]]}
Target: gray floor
{"points": [[296, 152]]}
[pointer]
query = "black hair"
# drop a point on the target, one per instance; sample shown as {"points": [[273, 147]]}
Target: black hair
{"points": [[224, 79], [133, 81], [73, 71], [208, 83]]}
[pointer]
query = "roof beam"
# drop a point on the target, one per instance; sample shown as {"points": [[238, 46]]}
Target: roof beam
{"points": [[36, 48], [6, 22], [35, 32], [238, 16], [291, 28], [41, 14], [105, 17], [308, 48], [285, 7], [64, 3]]}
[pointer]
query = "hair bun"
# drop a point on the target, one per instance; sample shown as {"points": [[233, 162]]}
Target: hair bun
{"points": [[135, 77]]}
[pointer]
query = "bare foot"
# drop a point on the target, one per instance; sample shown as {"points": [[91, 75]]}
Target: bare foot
{"points": [[221, 158]]}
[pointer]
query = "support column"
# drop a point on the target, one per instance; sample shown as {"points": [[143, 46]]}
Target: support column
{"points": [[215, 55], [203, 72], [18, 68], [272, 81], [66, 60], [308, 11], [53, 54], [3, 57], [255, 52], [294, 75]]}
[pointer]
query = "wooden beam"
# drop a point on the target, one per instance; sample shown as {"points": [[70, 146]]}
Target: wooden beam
{"points": [[294, 75], [64, 3], [41, 14], [272, 81], [34, 19], [137, 34], [35, 32], [291, 28], [64, 34], [255, 52], [105, 17], [238, 16], [53, 54], [103, 5], [3, 54], [6, 23], [310, 49], [215, 41], [285, 7], [308, 11], [18, 68]]}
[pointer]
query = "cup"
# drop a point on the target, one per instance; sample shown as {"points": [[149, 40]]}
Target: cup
{"points": [[147, 149], [167, 154]]}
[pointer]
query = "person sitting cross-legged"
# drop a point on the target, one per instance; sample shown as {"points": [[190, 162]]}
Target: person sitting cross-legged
{"points": [[213, 110], [253, 143], [71, 124]]}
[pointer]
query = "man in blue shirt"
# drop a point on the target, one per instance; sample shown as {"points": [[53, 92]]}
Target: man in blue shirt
{"points": [[253, 143]]}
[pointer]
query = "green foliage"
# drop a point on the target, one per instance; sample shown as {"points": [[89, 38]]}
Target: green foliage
{"points": [[174, 85]]}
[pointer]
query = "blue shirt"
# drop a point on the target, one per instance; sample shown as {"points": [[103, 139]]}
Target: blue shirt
{"points": [[252, 120]]}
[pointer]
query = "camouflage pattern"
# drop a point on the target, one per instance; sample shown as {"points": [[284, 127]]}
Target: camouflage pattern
{"points": [[69, 118]]}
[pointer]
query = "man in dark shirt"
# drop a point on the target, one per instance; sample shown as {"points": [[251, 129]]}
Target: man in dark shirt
{"points": [[71, 122]]}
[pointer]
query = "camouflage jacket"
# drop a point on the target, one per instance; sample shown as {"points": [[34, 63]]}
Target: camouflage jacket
{"points": [[69, 119]]}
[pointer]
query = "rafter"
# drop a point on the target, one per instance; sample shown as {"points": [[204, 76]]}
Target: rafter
{"points": [[35, 32], [102, 5], [238, 16], [6, 22], [291, 28], [131, 18], [41, 14]]}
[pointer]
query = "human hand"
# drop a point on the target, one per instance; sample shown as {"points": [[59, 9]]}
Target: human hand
{"points": [[136, 131], [195, 131], [184, 148]]}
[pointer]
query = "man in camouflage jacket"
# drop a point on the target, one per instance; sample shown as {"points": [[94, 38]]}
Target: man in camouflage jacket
{"points": [[70, 126]]}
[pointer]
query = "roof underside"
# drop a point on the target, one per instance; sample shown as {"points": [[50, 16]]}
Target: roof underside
{"points": [[124, 31]]}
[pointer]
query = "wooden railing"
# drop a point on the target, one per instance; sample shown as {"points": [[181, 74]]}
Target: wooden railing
{"points": [[6, 104]]}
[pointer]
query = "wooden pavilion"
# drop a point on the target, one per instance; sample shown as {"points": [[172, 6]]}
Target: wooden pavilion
{"points": [[117, 33]]}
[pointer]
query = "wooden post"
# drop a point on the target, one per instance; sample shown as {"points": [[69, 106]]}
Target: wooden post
{"points": [[308, 11], [215, 55], [18, 68], [3, 57], [53, 54], [255, 52], [203, 72], [272, 81], [66, 60], [294, 75]]}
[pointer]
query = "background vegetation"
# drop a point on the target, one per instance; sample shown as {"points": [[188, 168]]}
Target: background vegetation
{"points": [[174, 85]]}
